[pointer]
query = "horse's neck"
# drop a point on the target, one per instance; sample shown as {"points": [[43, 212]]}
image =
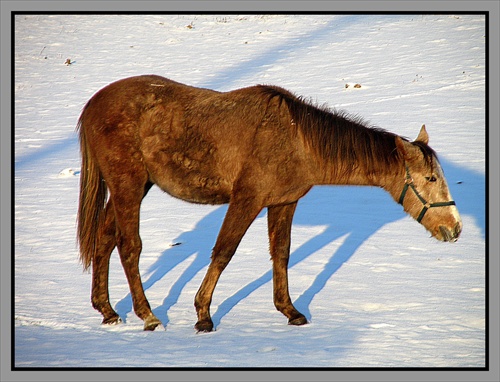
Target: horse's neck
{"points": [[359, 176]]}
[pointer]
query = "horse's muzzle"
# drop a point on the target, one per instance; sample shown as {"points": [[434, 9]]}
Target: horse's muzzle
{"points": [[451, 235]]}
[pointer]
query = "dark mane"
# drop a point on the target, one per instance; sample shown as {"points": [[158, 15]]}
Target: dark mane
{"points": [[339, 137]]}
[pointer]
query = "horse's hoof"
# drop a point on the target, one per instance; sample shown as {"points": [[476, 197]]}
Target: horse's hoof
{"points": [[300, 320], [204, 326], [114, 320], [151, 323]]}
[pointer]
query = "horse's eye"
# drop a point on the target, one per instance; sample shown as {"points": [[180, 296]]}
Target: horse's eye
{"points": [[430, 178]]}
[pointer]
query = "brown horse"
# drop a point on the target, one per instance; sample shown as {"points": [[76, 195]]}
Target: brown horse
{"points": [[255, 147]]}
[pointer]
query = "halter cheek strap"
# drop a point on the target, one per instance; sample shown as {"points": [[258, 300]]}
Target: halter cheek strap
{"points": [[427, 205]]}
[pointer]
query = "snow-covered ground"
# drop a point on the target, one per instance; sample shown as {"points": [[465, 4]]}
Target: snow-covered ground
{"points": [[377, 290]]}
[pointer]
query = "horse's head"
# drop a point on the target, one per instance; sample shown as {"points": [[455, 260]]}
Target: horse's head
{"points": [[423, 192]]}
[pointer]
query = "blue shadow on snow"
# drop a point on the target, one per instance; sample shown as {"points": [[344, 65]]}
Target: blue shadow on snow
{"points": [[354, 212]]}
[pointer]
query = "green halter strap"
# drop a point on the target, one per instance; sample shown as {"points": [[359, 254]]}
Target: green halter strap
{"points": [[409, 184]]}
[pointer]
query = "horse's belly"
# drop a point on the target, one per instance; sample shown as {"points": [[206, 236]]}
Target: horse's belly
{"points": [[188, 178], [194, 188]]}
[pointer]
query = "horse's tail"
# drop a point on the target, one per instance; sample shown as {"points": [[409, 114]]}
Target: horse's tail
{"points": [[93, 195]]}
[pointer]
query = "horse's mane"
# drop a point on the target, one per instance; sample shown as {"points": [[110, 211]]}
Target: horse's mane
{"points": [[347, 140]]}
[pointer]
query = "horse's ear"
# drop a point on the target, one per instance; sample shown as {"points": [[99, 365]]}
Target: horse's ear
{"points": [[402, 147], [407, 150], [423, 136]]}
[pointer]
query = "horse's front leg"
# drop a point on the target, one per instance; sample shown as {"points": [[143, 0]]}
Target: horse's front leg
{"points": [[239, 216], [280, 227]]}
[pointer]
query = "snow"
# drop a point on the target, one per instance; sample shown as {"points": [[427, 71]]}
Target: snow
{"points": [[378, 292]]}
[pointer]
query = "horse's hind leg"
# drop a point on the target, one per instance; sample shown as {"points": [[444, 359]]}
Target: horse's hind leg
{"points": [[100, 268], [126, 195], [280, 226], [100, 265]]}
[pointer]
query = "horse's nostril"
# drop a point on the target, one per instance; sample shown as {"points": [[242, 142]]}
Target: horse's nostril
{"points": [[445, 233], [450, 234]]}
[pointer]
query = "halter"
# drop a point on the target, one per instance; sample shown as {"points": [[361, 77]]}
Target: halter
{"points": [[427, 205]]}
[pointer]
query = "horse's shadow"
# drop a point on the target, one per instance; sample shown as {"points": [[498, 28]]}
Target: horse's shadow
{"points": [[355, 213], [343, 211]]}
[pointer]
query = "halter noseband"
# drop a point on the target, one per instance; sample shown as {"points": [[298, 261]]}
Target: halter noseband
{"points": [[409, 184]]}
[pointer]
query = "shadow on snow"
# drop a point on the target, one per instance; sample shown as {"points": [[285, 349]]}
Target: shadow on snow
{"points": [[354, 212]]}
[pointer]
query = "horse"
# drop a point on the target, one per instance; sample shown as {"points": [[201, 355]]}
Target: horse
{"points": [[253, 148]]}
